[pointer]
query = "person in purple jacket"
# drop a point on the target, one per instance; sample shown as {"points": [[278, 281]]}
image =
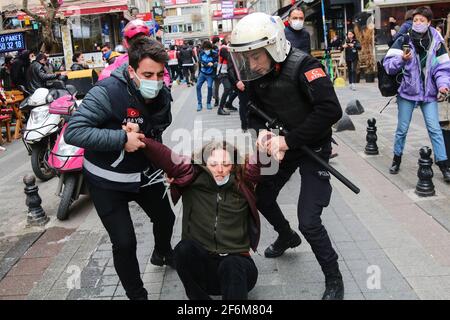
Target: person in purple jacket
{"points": [[426, 75]]}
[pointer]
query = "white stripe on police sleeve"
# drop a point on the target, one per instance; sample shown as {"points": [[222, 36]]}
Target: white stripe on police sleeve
{"points": [[110, 175]]}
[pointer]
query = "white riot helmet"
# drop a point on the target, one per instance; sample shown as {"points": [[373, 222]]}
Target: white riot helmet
{"points": [[253, 34]]}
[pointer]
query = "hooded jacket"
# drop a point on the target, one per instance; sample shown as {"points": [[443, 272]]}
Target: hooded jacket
{"points": [[437, 69]]}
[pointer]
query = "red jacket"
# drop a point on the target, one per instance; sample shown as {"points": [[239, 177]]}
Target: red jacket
{"points": [[184, 173]]}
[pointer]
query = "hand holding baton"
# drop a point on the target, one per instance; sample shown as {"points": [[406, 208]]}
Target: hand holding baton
{"points": [[272, 123]]}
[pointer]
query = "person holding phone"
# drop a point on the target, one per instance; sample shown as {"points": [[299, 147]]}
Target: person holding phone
{"points": [[351, 47], [426, 75]]}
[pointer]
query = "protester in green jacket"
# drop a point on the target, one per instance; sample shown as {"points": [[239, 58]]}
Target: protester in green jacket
{"points": [[220, 220]]}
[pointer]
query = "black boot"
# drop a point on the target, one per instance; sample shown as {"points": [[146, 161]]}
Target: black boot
{"points": [[229, 106], [334, 286], [158, 259], [444, 169], [395, 167], [222, 112], [287, 240]]}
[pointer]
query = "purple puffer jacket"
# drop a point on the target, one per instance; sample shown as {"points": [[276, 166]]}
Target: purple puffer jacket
{"points": [[437, 75]]}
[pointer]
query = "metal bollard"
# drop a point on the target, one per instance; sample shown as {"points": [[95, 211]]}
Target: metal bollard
{"points": [[371, 138], [36, 215], [425, 186]]}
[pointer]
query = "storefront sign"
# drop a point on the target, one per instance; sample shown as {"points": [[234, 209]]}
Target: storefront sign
{"points": [[11, 42], [227, 9], [158, 13], [236, 12], [147, 16]]}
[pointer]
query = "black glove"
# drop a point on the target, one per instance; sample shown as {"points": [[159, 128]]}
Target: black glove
{"points": [[62, 77]]}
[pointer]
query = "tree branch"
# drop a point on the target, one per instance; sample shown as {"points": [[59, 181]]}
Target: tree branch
{"points": [[31, 14]]}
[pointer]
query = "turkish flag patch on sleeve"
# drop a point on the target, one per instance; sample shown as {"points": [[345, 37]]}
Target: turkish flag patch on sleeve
{"points": [[132, 113], [315, 74]]}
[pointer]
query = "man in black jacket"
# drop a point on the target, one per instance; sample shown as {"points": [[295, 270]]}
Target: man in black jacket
{"points": [[296, 33], [19, 67], [115, 167], [38, 75], [292, 86]]}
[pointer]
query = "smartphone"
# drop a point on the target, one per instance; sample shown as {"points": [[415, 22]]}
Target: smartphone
{"points": [[406, 48]]}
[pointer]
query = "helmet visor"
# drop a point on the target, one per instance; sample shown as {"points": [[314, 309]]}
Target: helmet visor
{"points": [[252, 65]]}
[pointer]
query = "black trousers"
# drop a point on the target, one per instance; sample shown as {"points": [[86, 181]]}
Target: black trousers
{"points": [[216, 89], [315, 194], [351, 69], [243, 109], [112, 208], [189, 74], [204, 274], [174, 72], [229, 94]]}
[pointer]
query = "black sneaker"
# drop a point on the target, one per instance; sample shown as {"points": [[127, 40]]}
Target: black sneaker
{"points": [[230, 107], [222, 112], [444, 169], [160, 260], [395, 167], [283, 243], [334, 287]]}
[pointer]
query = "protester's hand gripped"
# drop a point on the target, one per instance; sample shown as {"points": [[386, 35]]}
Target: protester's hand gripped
{"points": [[169, 180], [131, 127], [240, 85], [134, 141]]}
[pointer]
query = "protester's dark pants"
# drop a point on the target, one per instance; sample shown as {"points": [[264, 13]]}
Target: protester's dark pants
{"points": [[189, 74], [180, 70], [174, 72], [228, 91], [112, 208], [243, 110], [204, 274], [315, 193], [351, 69], [216, 89]]}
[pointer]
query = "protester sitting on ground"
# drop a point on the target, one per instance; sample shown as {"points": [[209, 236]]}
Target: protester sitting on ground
{"points": [[220, 219], [421, 84], [78, 62]]}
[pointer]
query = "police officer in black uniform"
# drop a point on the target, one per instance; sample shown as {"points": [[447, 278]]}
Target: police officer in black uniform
{"points": [[114, 163], [291, 86]]}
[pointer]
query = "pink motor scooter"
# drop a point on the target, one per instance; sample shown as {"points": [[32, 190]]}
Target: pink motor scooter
{"points": [[67, 160]]}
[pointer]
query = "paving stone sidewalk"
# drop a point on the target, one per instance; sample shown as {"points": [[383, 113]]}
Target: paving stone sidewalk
{"points": [[389, 245]]}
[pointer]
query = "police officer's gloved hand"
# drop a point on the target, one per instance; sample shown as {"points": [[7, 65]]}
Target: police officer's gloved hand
{"points": [[62, 77]]}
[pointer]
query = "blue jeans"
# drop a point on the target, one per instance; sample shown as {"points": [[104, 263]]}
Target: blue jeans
{"points": [[201, 79], [431, 115]]}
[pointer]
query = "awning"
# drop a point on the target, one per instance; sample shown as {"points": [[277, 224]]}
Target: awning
{"points": [[81, 7]]}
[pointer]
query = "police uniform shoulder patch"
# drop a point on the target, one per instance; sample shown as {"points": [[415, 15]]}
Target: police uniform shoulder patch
{"points": [[315, 74]]}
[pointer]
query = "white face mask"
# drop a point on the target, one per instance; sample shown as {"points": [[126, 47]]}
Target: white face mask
{"points": [[223, 181], [297, 24]]}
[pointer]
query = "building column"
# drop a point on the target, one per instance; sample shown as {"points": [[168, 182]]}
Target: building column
{"points": [[67, 45]]}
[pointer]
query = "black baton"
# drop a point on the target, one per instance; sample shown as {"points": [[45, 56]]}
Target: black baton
{"points": [[272, 123]]}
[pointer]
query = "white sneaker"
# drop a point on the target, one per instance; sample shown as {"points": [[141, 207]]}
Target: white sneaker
{"points": [[353, 87]]}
